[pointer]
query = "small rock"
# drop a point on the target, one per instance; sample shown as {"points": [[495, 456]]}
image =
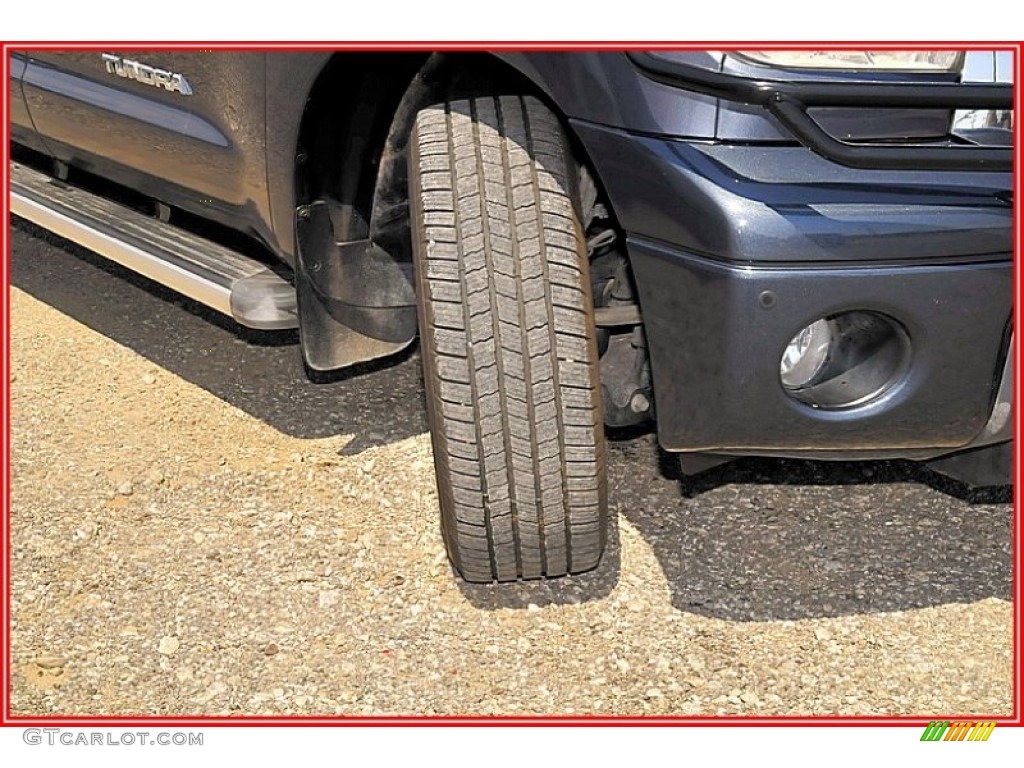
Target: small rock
{"points": [[329, 597], [749, 698], [168, 645], [49, 662], [44, 678], [822, 634], [148, 378], [126, 488], [695, 663], [215, 690], [532, 607], [271, 649], [86, 532], [653, 693]]}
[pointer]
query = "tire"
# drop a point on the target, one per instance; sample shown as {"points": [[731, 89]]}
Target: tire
{"points": [[508, 342]]}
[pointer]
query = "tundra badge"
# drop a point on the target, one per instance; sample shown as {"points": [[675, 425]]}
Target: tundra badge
{"points": [[146, 74]]}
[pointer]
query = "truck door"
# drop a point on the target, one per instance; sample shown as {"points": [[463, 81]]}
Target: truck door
{"points": [[186, 128], [22, 130]]}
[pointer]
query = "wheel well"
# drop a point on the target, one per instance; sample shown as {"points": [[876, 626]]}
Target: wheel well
{"points": [[346, 121], [358, 116], [352, 157]]}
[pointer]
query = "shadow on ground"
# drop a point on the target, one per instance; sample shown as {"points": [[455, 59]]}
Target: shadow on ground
{"points": [[758, 539], [764, 539], [258, 372]]}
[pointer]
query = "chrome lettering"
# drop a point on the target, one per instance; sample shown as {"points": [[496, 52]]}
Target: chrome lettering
{"points": [[145, 74]]}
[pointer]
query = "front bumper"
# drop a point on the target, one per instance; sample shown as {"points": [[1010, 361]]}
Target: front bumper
{"points": [[711, 227], [715, 351]]}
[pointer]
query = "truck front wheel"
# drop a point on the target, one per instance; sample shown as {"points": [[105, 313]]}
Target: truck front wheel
{"points": [[509, 352]]}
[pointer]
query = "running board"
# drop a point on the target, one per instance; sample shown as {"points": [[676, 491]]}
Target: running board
{"points": [[222, 279]]}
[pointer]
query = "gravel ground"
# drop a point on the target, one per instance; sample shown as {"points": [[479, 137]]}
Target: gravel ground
{"points": [[199, 528]]}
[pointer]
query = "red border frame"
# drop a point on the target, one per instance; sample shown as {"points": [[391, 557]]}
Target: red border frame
{"points": [[8, 719]]}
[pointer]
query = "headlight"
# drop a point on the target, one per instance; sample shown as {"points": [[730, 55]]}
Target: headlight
{"points": [[903, 61]]}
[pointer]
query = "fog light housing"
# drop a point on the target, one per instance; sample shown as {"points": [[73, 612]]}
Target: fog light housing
{"points": [[844, 360]]}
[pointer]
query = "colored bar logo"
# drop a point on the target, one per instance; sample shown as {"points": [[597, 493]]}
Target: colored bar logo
{"points": [[943, 730]]}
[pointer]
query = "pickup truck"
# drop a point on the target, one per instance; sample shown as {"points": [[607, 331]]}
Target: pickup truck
{"points": [[790, 253]]}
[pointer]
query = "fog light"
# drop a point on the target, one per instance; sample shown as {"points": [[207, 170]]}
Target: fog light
{"points": [[806, 355], [844, 360]]}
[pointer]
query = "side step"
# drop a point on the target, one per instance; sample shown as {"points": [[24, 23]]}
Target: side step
{"points": [[218, 277]]}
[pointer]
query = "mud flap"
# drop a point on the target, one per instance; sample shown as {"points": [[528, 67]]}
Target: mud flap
{"points": [[355, 302], [991, 465]]}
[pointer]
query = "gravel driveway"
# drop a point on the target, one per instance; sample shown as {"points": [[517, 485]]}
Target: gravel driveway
{"points": [[200, 528]]}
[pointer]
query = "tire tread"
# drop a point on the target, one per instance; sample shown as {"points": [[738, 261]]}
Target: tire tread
{"points": [[510, 358]]}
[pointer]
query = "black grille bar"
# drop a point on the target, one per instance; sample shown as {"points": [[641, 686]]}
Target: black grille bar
{"points": [[789, 102]]}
